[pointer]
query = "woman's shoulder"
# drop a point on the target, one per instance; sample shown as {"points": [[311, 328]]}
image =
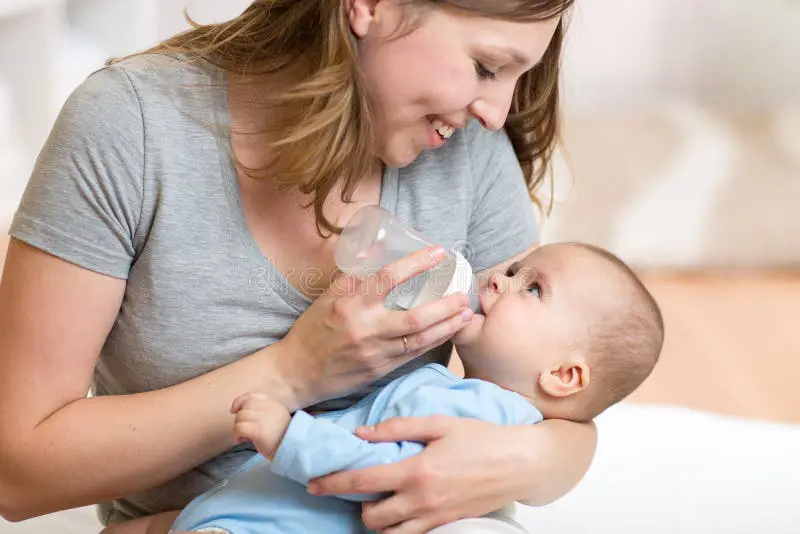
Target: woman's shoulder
{"points": [[161, 87], [148, 93], [155, 74]]}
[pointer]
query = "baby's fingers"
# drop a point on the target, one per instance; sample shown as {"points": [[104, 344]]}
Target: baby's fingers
{"points": [[246, 398], [244, 431]]}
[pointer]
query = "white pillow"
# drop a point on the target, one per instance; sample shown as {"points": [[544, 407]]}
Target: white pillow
{"points": [[669, 470]]}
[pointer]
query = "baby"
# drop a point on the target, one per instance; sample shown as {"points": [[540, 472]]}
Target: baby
{"points": [[566, 333]]}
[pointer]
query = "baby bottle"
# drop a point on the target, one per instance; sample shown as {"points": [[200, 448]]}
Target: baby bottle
{"points": [[374, 238]]}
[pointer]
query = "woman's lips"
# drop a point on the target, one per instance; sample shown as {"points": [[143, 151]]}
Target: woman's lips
{"points": [[434, 139]]}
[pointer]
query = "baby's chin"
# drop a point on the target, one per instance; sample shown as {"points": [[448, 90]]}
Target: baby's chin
{"points": [[470, 335]]}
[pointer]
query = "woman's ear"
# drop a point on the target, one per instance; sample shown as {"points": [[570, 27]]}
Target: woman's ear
{"points": [[361, 14], [565, 379]]}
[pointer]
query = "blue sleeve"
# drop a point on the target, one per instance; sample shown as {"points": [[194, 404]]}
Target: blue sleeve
{"points": [[316, 447], [476, 399], [313, 448]]}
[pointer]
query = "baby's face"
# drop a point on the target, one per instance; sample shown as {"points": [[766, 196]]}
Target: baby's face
{"points": [[536, 316]]}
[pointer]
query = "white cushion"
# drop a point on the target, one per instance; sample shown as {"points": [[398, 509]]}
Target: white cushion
{"points": [[661, 469]]}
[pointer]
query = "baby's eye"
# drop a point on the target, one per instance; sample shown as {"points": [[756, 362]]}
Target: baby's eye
{"points": [[536, 290]]}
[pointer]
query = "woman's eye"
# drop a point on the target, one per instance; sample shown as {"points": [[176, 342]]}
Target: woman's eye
{"points": [[483, 72]]}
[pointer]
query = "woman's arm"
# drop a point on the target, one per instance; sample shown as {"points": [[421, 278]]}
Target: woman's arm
{"points": [[467, 469], [560, 455], [54, 319]]}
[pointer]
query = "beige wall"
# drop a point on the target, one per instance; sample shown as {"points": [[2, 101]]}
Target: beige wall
{"points": [[734, 53]]}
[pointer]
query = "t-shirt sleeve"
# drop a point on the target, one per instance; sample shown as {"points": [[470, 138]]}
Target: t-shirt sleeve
{"points": [[84, 198], [503, 222]]}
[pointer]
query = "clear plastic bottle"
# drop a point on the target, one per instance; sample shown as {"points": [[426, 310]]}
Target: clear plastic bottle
{"points": [[374, 238]]}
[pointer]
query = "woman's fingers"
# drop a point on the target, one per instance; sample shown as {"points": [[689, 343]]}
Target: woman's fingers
{"points": [[407, 267], [378, 479], [381, 515], [441, 314], [438, 334], [422, 429], [412, 526]]}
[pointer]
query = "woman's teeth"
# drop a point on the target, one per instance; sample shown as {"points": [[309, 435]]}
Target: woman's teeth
{"points": [[442, 129]]}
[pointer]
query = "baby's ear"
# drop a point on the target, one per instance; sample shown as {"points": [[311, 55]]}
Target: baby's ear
{"points": [[565, 379]]}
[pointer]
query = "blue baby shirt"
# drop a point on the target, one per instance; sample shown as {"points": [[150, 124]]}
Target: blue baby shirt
{"points": [[270, 497]]}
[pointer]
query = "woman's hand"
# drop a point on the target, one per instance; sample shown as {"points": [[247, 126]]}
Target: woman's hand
{"points": [[468, 468], [347, 338]]}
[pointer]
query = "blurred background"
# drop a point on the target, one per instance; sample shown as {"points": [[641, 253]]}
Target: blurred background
{"points": [[681, 153]]}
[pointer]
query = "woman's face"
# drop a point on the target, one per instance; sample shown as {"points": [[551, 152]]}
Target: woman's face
{"points": [[449, 68]]}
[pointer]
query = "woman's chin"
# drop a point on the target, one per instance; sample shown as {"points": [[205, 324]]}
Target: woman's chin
{"points": [[399, 161], [398, 155]]}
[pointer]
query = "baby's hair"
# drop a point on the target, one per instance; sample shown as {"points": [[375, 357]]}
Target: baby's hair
{"points": [[623, 347]]}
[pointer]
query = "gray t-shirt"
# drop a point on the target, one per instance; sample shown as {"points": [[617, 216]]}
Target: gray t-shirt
{"points": [[136, 181]]}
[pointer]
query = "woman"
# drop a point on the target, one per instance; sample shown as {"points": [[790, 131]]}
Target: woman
{"points": [[174, 250]]}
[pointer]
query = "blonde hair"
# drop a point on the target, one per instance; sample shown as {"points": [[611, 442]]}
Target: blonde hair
{"points": [[328, 141]]}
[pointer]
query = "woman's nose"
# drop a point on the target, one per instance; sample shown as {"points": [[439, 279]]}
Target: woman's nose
{"points": [[492, 107], [490, 118]]}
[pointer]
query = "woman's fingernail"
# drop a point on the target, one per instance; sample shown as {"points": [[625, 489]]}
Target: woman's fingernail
{"points": [[466, 315], [313, 489], [436, 253]]}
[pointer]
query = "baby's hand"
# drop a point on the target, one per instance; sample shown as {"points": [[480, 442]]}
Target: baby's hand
{"points": [[261, 420]]}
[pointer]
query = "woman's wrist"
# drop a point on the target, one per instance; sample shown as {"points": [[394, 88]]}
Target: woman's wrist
{"points": [[281, 381]]}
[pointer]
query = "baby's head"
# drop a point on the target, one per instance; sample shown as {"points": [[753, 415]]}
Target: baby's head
{"points": [[570, 326]]}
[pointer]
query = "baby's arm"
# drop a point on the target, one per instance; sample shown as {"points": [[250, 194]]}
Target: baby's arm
{"points": [[303, 448], [314, 447]]}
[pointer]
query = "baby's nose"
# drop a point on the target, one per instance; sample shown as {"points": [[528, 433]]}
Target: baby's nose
{"points": [[498, 283]]}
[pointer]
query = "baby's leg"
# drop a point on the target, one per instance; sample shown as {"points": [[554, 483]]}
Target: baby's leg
{"points": [[151, 524]]}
